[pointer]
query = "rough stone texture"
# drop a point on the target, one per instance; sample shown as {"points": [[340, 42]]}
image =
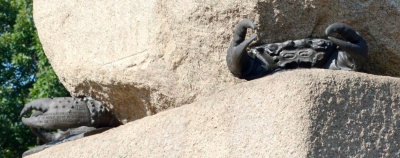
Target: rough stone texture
{"points": [[144, 56], [302, 113]]}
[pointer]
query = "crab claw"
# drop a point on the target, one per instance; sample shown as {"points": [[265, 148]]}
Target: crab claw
{"points": [[57, 113], [236, 57], [353, 43], [41, 105]]}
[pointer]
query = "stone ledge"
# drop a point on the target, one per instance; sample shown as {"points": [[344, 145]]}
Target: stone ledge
{"points": [[302, 113]]}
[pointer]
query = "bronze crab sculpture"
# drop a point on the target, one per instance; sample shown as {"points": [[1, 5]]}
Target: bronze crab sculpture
{"points": [[349, 51]]}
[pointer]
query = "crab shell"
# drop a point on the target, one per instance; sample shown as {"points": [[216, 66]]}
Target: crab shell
{"points": [[352, 48]]}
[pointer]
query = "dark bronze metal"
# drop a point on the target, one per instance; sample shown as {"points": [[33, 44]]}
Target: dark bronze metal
{"points": [[73, 117], [347, 52]]}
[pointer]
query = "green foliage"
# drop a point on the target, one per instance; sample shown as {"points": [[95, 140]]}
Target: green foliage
{"points": [[25, 74]]}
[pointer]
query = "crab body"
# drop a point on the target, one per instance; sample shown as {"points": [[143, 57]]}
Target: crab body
{"points": [[348, 52]]}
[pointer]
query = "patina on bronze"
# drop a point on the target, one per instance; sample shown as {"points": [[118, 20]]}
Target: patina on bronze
{"points": [[73, 117], [67, 112], [348, 52]]}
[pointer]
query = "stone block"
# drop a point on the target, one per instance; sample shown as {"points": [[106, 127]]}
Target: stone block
{"points": [[301, 113]]}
